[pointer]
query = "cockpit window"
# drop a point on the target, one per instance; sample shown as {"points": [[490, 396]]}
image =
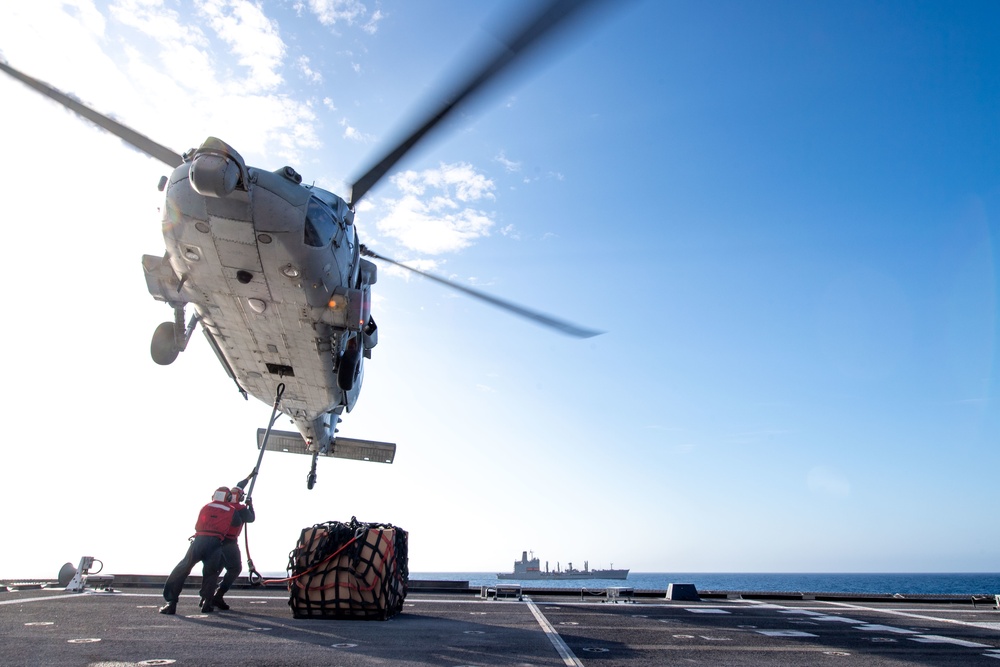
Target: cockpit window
{"points": [[320, 225]]}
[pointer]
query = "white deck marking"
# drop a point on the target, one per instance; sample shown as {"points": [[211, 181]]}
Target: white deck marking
{"points": [[922, 638], [987, 626], [44, 598], [786, 633], [561, 648], [61, 595], [938, 639], [875, 627], [906, 614], [710, 610]]}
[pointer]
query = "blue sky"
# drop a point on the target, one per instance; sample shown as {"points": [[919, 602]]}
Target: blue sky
{"points": [[784, 215]]}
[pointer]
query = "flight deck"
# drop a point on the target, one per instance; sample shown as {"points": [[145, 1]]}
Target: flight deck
{"points": [[124, 628]]}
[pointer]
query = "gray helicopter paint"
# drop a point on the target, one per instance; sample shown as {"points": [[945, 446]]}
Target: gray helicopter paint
{"points": [[229, 252]]}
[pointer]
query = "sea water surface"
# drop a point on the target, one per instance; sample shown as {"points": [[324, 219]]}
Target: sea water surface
{"points": [[979, 583]]}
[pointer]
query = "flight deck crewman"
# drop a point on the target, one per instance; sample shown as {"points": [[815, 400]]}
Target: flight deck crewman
{"points": [[206, 547], [231, 558]]}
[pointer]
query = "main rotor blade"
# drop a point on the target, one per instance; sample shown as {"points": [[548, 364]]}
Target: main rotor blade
{"points": [[128, 135], [554, 13], [534, 316]]}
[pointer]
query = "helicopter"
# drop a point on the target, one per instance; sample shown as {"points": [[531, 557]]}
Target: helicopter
{"points": [[274, 269]]}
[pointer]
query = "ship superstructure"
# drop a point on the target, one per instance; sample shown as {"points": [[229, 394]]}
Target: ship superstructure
{"points": [[529, 569]]}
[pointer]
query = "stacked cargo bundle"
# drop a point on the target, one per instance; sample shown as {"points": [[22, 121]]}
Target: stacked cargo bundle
{"points": [[355, 570]]}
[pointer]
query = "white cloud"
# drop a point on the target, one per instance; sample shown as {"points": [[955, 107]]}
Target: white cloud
{"points": [[551, 176], [251, 36], [86, 14], [425, 265], [509, 165], [433, 215], [468, 184], [371, 27], [155, 21], [423, 228], [308, 71], [331, 12], [181, 63], [510, 232], [352, 133]]}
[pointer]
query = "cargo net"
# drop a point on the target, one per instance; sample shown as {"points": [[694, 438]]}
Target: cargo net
{"points": [[356, 570]]}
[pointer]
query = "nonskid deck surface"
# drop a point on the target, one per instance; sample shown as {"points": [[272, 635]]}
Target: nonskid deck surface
{"points": [[49, 627]]}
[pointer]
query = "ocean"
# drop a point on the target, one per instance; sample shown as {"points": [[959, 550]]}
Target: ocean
{"points": [[986, 583]]}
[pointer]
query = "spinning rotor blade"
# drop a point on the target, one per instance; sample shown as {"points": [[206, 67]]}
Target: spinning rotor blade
{"points": [[554, 13], [536, 317], [129, 136]]}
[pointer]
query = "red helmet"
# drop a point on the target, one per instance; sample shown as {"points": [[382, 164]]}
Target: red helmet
{"points": [[222, 495], [237, 494]]}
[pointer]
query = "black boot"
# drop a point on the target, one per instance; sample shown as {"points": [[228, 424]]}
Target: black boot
{"points": [[219, 602], [169, 608]]}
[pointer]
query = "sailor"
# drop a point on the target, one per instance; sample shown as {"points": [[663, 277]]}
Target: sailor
{"points": [[231, 558], [206, 547]]}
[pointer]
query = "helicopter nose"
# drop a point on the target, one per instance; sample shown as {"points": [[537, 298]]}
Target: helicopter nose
{"points": [[216, 169], [213, 175]]}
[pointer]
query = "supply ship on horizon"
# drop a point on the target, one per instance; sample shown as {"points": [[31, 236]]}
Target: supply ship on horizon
{"points": [[529, 569]]}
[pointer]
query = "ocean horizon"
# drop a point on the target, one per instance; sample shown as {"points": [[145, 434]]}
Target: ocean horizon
{"points": [[903, 583]]}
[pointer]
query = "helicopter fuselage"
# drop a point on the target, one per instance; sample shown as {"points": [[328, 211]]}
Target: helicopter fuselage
{"points": [[273, 271]]}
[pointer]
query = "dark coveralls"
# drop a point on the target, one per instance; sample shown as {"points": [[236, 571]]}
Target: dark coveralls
{"points": [[206, 547], [232, 560]]}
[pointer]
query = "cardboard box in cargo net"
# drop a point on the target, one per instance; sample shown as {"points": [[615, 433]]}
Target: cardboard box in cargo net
{"points": [[349, 571]]}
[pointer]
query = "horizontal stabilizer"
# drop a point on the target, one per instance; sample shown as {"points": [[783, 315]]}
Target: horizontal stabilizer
{"points": [[342, 448]]}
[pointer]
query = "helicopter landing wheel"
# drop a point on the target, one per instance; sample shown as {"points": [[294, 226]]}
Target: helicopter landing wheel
{"points": [[163, 347], [350, 368]]}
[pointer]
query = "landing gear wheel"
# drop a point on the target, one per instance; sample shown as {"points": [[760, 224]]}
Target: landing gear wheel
{"points": [[350, 368], [163, 347]]}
